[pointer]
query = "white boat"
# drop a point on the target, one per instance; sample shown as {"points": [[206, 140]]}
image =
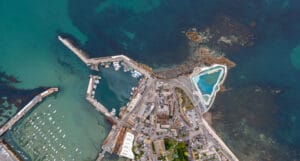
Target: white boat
{"points": [[135, 74], [116, 66], [107, 65]]}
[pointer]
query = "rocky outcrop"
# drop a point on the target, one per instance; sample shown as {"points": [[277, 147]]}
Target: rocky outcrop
{"points": [[201, 57], [207, 46], [207, 57]]}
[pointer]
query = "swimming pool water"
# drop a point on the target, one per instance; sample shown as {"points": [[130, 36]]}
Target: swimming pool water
{"points": [[207, 82]]}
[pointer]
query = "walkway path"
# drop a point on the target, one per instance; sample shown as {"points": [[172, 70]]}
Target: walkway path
{"points": [[98, 106], [212, 132]]}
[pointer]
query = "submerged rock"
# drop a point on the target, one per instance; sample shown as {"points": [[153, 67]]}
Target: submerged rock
{"points": [[246, 118], [295, 57]]}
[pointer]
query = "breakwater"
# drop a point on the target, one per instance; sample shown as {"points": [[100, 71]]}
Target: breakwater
{"points": [[94, 63], [26, 109]]}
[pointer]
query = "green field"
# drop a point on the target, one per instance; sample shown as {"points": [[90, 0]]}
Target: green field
{"points": [[177, 151]]}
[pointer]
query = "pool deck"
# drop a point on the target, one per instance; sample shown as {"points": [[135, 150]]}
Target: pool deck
{"points": [[207, 70]]}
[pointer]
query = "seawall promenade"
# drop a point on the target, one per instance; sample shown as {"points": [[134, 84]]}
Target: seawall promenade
{"points": [[221, 142]]}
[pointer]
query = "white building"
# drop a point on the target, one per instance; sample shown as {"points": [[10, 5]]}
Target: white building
{"points": [[126, 150]]}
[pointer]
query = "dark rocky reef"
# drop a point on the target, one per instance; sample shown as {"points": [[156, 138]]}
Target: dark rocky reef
{"points": [[207, 47], [200, 57], [249, 134], [224, 34], [11, 96]]}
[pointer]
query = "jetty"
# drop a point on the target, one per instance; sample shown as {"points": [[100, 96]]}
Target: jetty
{"points": [[94, 80], [81, 54], [93, 63], [26, 109]]}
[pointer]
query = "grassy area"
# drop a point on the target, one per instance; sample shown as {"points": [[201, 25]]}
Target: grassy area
{"points": [[181, 152], [169, 143], [137, 156], [177, 150], [183, 99]]}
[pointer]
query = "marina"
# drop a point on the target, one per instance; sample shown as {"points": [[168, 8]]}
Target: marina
{"points": [[26, 109], [115, 88], [19, 116], [41, 138], [137, 71], [59, 131], [257, 90], [120, 140]]}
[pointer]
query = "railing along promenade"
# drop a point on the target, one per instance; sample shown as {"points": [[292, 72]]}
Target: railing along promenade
{"points": [[25, 109]]}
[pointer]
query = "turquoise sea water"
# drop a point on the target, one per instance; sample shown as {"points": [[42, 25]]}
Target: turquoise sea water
{"points": [[30, 51], [258, 116]]}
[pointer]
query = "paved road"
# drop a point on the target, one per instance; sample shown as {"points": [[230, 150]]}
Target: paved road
{"points": [[185, 84]]}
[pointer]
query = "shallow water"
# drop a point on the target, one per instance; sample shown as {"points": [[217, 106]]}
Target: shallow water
{"points": [[155, 38], [31, 52], [65, 131], [152, 35]]}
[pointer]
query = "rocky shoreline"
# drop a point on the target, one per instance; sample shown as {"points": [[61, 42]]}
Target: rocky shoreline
{"points": [[207, 47]]}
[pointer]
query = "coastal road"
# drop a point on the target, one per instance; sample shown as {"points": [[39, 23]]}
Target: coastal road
{"points": [[187, 86]]}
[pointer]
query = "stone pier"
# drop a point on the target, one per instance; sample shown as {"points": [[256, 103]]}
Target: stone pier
{"points": [[26, 109], [94, 62], [98, 106]]}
